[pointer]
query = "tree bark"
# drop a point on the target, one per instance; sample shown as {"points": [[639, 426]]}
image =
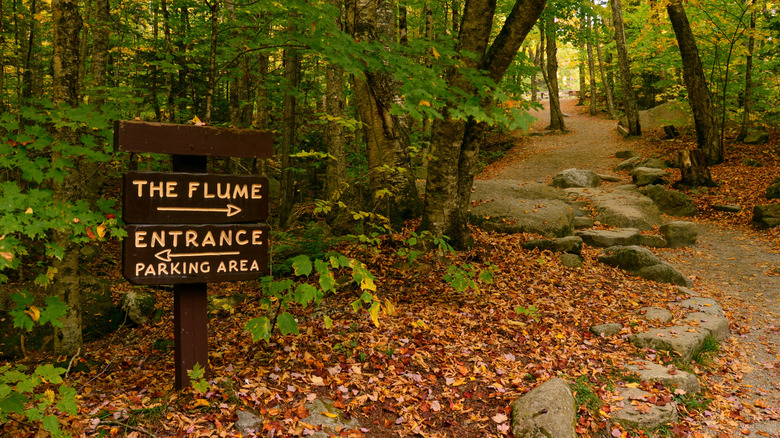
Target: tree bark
{"points": [[455, 143], [591, 67], [169, 78], [65, 80], [551, 77], [699, 96], [292, 77], [212, 78], [100, 51], [604, 81], [394, 194], [693, 169], [629, 97], [748, 94]]}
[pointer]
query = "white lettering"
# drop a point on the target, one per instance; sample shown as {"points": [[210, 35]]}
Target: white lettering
{"points": [[170, 186], [256, 188], [257, 237], [255, 266], [240, 190], [139, 239], [193, 186], [156, 188], [209, 240], [241, 242], [190, 236], [206, 194], [159, 238], [140, 183]]}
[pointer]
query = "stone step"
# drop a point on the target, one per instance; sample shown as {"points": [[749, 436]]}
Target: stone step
{"points": [[631, 408], [668, 375], [716, 325], [684, 340]]}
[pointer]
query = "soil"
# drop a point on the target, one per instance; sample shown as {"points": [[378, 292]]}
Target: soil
{"points": [[735, 265]]}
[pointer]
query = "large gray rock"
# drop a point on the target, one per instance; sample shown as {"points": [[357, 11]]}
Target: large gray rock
{"points": [[756, 137], [766, 216], [653, 163], [576, 178], [622, 207], [679, 234], [634, 411], [631, 258], [773, 191], [138, 306], [664, 273], [568, 244], [681, 339], [674, 112], [547, 411], [669, 376], [642, 176], [628, 164], [248, 423], [670, 202], [704, 305], [717, 326], [655, 313], [607, 238], [323, 413], [608, 329], [571, 260]]}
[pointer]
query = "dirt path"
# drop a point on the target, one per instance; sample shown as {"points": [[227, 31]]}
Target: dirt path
{"points": [[732, 266]]}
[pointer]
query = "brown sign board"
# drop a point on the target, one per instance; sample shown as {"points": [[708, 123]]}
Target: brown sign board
{"points": [[167, 138], [174, 254], [193, 198]]}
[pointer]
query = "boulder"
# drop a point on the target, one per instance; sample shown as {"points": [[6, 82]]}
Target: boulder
{"points": [[547, 411], [682, 339], [642, 176], [664, 273], [766, 216], [668, 375], [568, 244], [607, 238], [674, 112], [609, 329], [756, 137], [655, 313], [653, 163], [728, 208], [581, 222], [571, 260], [621, 207], [717, 326], [670, 202], [576, 178], [610, 178], [247, 423], [625, 154], [634, 411], [628, 164], [630, 258], [679, 234], [331, 419], [138, 306], [652, 240], [773, 191], [703, 305]]}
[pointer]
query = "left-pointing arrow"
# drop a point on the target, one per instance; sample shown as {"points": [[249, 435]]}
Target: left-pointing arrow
{"points": [[165, 255], [230, 209]]}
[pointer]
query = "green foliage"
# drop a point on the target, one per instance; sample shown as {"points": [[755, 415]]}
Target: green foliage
{"points": [[38, 395], [530, 311], [584, 394], [282, 294], [197, 378]]}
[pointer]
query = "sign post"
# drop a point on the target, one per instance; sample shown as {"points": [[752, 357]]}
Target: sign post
{"points": [[189, 228]]}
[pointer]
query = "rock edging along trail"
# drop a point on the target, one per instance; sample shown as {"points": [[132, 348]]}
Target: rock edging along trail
{"points": [[594, 145]]}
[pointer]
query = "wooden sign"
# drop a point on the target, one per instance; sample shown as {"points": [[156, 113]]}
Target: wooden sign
{"points": [[171, 254], [195, 198], [168, 138]]}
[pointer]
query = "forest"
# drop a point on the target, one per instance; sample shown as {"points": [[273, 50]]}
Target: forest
{"points": [[382, 113]]}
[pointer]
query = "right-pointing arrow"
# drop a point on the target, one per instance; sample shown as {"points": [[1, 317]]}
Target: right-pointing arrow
{"points": [[230, 209], [165, 255]]}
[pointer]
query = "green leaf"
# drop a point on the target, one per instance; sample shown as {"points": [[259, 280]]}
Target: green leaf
{"points": [[55, 308], [287, 324], [13, 403], [49, 373], [67, 402], [302, 265], [328, 322], [259, 328], [305, 293], [486, 276], [51, 424]]}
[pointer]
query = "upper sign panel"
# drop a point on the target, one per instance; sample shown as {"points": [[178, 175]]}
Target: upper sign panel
{"points": [[193, 198]]}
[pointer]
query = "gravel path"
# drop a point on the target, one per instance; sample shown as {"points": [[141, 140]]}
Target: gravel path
{"points": [[733, 266]]}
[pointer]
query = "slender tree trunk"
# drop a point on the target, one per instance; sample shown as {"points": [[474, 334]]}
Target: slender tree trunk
{"points": [[65, 77], [604, 81], [748, 94], [403, 30], [292, 77], [551, 77], [629, 97], [89, 16], [100, 44], [2, 56], [212, 79], [591, 67], [155, 68], [335, 139], [30, 64], [455, 143], [696, 83], [426, 129], [169, 78], [534, 77], [455, 17], [387, 135]]}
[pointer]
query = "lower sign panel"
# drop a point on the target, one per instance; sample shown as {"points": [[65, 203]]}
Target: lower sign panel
{"points": [[173, 254]]}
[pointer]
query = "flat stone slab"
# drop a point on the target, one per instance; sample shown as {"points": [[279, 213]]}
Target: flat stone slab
{"points": [[655, 314], [668, 375], [608, 329], [683, 340], [716, 325], [323, 413], [633, 410], [607, 238], [621, 208], [704, 305]]}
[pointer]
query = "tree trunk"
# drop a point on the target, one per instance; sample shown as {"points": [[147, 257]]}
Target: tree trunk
{"points": [[65, 79], [693, 169], [169, 78], [335, 139], [455, 143], [403, 30], [100, 51], [551, 77], [604, 81], [292, 77], [391, 181], [591, 67], [699, 96], [2, 56], [629, 97], [30, 62], [212, 78], [748, 95]]}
